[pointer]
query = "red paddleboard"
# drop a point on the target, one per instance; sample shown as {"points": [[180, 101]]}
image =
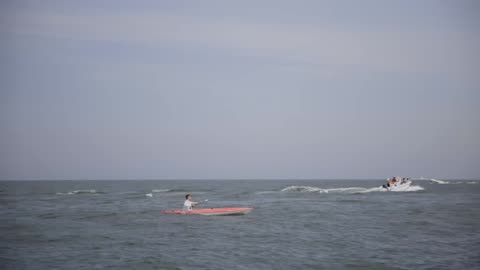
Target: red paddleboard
{"points": [[232, 211]]}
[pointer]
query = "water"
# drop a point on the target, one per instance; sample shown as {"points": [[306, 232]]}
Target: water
{"points": [[295, 225]]}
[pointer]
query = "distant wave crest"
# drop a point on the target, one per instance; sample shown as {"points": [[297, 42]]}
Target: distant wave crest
{"points": [[347, 190], [308, 189], [82, 191], [443, 182], [160, 190]]}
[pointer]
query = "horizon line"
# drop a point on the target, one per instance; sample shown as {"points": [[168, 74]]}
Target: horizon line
{"points": [[232, 179]]}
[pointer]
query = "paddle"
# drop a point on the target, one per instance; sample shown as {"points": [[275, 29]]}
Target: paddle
{"points": [[204, 201]]}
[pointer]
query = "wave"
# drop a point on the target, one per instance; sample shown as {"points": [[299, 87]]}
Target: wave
{"points": [[441, 182], [173, 191], [266, 192], [178, 191], [308, 189], [160, 190], [185, 191], [82, 191], [347, 190]]}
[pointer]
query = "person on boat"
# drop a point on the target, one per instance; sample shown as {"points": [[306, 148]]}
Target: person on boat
{"points": [[394, 180], [189, 204], [387, 185], [390, 182]]}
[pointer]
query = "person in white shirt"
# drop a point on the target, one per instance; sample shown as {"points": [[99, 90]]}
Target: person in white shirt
{"points": [[188, 204]]}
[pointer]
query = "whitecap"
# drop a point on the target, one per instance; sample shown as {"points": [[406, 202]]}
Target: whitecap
{"points": [[302, 189], [307, 189], [441, 182], [160, 190], [82, 191]]}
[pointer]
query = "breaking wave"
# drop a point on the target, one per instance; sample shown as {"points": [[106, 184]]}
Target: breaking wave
{"points": [[160, 190], [308, 189], [347, 190], [172, 192], [82, 191], [441, 182]]}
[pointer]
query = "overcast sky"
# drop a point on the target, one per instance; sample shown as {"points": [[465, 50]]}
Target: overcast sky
{"points": [[244, 89]]}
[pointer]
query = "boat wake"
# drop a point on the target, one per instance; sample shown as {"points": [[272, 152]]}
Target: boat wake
{"points": [[444, 182], [307, 189], [347, 190], [441, 182]]}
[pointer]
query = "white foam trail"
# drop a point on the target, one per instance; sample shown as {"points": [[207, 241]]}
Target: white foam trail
{"points": [[394, 189], [302, 189], [85, 191], [441, 182], [149, 195], [160, 190], [307, 189], [347, 190], [82, 191], [414, 188]]}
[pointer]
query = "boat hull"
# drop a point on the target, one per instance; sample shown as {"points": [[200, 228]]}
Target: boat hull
{"points": [[232, 211], [399, 187]]}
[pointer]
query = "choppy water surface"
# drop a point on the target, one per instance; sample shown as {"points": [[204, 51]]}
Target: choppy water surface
{"points": [[296, 224]]}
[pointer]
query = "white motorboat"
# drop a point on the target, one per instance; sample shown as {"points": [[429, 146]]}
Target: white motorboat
{"points": [[397, 184]]}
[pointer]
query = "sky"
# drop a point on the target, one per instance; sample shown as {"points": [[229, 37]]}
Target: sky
{"points": [[239, 89]]}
